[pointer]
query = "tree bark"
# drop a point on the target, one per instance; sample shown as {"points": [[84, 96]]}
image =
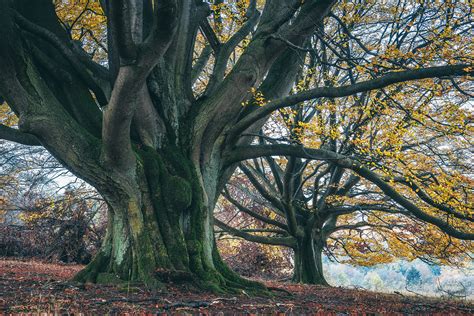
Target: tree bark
{"points": [[308, 262], [158, 228]]}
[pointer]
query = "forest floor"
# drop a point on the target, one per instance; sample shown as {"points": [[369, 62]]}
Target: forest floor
{"points": [[37, 287]]}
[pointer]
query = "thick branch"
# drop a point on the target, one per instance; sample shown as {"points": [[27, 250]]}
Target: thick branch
{"points": [[225, 50], [242, 153], [201, 63], [15, 135], [117, 149], [221, 108], [211, 36], [341, 210], [121, 27], [164, 28], [68, 53], [337, 92], [288, 190]]}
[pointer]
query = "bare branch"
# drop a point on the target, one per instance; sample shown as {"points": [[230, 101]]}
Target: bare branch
{"points": [[211, 36], [248, 211], [337, 92], [277, 241], [247, 152]]}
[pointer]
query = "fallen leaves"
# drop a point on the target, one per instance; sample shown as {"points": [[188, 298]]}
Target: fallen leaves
{"points": [[38, 287]]}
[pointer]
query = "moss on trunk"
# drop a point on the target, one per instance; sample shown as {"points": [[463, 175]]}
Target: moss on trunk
{"points": [[159, 234]]}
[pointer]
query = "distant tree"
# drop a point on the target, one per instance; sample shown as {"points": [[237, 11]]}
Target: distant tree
{"points": [[435, 269], [413, 277], [407, 140], [374, 281]]}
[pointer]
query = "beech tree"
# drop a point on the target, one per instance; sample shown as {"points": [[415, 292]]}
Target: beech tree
{"points": [[417, 137], [159, 127], [336, 213]]}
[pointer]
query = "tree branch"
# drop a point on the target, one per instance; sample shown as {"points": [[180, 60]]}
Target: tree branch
{"points": [[360, 225], [121, 27], [15, 135], [426, 198], [269, 196], [211, 36], [341, 210], [247, 152], [161, 35], [68, 53], [200, 63], [250, 212], [117, 150], [337, 92], [225, 50], [277, 241]]}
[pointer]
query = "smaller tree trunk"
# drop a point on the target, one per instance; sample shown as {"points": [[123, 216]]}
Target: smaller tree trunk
{"points": [[308, 261]]}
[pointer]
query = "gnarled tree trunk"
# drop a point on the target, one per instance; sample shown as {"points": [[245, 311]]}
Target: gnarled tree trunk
{"points": [[159, 227], [145, 158]]}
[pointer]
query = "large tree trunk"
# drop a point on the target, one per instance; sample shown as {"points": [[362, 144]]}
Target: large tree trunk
{"points": [[308, 262], [159, 228]]}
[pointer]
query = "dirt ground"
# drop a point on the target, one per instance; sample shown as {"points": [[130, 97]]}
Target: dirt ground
{"points": [[37, 287]]}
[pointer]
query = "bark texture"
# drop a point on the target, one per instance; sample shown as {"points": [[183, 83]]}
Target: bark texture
{"points": [[157, 230], [308, 262]]}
